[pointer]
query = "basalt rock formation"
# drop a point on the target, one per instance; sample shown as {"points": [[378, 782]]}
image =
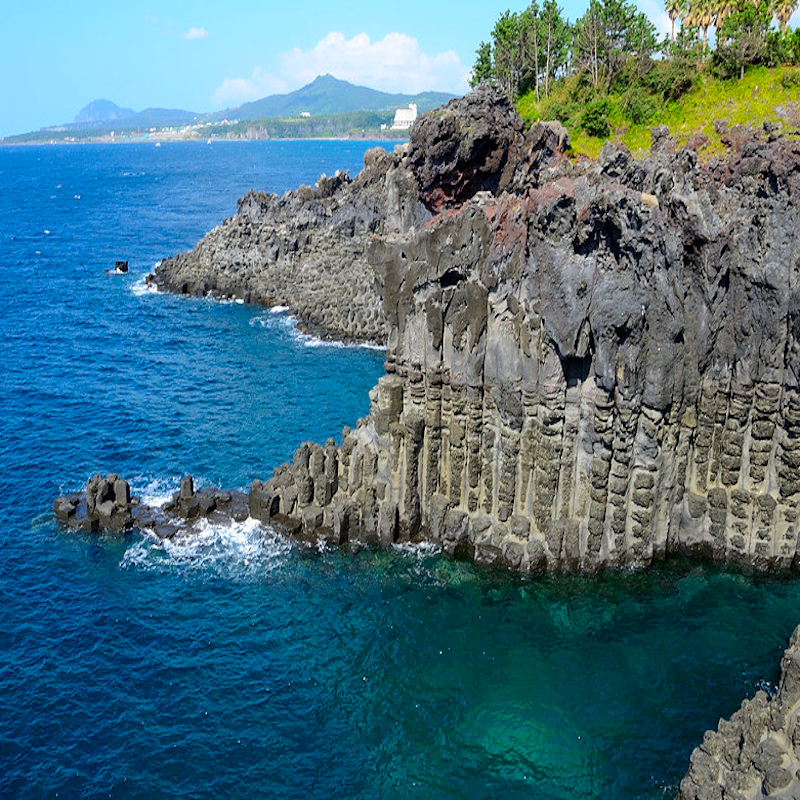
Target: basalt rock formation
{"points": [[756, 753], [106, 505], [595, 368], [589, 364], [307, 249]]}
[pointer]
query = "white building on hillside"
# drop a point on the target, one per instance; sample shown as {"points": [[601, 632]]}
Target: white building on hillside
{"points": [[404, 118]]}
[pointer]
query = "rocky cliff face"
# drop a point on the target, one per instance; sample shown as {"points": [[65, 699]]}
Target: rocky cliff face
{"points": [[595, 368], [307, 249], [756, 753]]}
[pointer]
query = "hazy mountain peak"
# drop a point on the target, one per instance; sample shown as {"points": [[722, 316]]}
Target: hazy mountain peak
{"points": [[102, 111]]}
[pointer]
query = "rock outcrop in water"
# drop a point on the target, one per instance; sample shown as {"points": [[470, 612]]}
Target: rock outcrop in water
{"points": [[106, 505], [595, 368], [307, 249], [756, 753]]}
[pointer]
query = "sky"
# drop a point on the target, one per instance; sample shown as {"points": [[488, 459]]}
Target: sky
{"points": [[56, 57]]}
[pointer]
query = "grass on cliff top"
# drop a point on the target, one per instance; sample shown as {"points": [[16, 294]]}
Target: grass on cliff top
{"points": [[763, 94]]}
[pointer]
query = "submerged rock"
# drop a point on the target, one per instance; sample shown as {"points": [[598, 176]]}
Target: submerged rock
{"points": [[756, 753]]}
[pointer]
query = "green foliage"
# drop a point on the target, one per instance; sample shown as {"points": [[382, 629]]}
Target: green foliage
{"points": [[482, 71], [783, 47], [529, 50], [638, 106], [676, 74], [600, 74], [742, 40], [609, 35], [791, 79], [594, 119]]}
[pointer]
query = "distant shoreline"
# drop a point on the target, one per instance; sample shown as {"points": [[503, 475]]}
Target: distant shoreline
{"points": [[116, 142]]}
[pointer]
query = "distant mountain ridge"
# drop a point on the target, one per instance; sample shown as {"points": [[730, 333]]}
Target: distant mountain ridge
{"points": [[324, 95], [329, 95]]}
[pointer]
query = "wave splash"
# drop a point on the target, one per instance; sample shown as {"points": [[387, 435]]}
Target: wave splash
{"points": [[231, 548], [278, 318]]}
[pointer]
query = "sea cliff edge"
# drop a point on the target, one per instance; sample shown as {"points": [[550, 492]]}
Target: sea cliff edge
{"points": [[590, 364]]}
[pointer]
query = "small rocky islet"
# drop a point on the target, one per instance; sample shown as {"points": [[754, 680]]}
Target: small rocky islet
{"points": [[590, 365]]}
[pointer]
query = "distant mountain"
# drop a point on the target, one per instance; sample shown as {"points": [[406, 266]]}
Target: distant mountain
{"points": [[329, 95], [105, 115], [325, 96], [102, 111]]}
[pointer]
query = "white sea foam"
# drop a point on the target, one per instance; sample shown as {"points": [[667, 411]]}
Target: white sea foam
{"points": [[278, 318], [418, 549], [155, 492], [140, 287], [236, 548]]}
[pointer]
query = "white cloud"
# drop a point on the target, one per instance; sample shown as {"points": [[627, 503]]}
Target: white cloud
{"points": [[395, 63], [654, 9], [233, 91], [195, 33]]}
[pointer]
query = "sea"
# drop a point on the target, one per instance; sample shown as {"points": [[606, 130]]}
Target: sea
{"points": [[244, 665]]}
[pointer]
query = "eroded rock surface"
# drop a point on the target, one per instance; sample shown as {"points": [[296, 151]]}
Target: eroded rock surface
{"points": [[595, 369], [106, 505], [756, 753], [306, 249]]}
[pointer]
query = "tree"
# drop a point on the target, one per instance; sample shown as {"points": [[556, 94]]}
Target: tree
{"points": [[783, 10], [505, 36], [674, 9], [742, 39], [556, 35], [607, 35], [589, 42], [482, 72], [529, 45]]}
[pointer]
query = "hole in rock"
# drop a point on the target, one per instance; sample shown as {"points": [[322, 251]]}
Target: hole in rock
{"points": [[576, 370], [451, 278]]}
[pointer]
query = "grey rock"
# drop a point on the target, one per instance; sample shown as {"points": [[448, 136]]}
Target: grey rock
{"points": [[606, 352], [306, 250], [756, 753]]}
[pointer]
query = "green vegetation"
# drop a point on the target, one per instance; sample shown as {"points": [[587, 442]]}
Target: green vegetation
{"points": [[352, 125], [608, 75]]}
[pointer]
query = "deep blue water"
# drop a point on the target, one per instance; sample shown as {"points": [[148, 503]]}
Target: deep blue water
{"points": [[244, 666]]}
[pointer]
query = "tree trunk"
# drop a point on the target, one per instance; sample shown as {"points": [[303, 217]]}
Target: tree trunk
{"points": [[547, 60]]}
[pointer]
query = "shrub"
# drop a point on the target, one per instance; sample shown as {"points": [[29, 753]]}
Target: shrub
{"points": [[594, 119], [638, 106]]}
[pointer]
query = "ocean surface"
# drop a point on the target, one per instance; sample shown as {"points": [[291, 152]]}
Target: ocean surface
{"points": [[245, 666]]}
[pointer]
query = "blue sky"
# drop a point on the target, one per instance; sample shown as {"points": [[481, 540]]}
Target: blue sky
{"points": [[55, 57]]}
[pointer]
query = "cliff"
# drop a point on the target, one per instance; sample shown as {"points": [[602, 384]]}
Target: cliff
{"points": [[589, 364], [307, 249]]}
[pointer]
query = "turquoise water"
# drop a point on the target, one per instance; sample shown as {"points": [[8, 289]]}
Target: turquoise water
{"points": [[241, 664]]}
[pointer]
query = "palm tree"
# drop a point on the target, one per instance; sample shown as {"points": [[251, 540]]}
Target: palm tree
{"points": [[783, 10], [674, 9], [723, 8], [704, 16]]}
